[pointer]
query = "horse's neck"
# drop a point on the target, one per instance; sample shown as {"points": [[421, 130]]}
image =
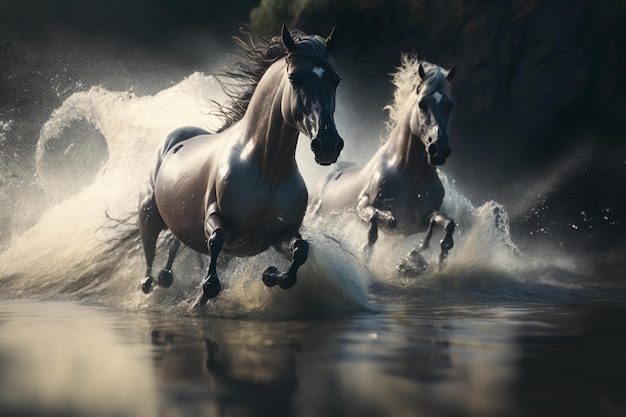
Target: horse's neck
{"points": [[405, 148], [270, 141]]}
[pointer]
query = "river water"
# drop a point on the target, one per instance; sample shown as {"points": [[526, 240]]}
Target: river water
{"points": [[432, 359], [497, 331]]}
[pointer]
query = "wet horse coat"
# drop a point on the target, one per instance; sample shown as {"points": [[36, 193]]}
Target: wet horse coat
{"points": [[398, 190], [239, 191]]}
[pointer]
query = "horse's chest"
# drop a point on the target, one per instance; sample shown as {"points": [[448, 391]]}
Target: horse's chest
{"points": [[410, 201], [253, 209]]}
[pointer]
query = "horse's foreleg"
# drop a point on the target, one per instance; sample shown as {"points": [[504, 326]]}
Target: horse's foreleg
{"points": [[216, 237], [298, 249], [370, 214], [150, 225], [447, 225], [414, 262], [166, 277]]}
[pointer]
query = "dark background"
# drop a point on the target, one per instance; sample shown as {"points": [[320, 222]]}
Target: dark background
{"points": [[540, 96]]}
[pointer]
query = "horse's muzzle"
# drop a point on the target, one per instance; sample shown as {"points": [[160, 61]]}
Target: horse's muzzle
{"points": [[438, 154], [327, 150]]}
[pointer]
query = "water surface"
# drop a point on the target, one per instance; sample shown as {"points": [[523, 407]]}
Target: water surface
{"points": [[433, 360]]}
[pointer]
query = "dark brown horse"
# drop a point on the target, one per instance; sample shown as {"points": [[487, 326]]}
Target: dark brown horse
{"points": [[399, 189], [239, 191]]}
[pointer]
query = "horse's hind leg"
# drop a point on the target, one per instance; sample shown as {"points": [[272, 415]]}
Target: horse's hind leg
{"points": [[166, 277], [150, 225], [299, 252]]}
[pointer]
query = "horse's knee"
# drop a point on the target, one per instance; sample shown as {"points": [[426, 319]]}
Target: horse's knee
{"points": [[216, 241]]}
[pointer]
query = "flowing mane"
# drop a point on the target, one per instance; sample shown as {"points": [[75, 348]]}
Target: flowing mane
{"points": [[255, 55], [406, 79]]}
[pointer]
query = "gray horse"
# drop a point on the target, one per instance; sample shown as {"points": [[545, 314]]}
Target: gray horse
{"points": [[239, 191], [399, 189]]}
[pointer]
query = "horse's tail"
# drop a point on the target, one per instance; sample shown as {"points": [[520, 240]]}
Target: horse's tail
{"points": [[126, 237]]}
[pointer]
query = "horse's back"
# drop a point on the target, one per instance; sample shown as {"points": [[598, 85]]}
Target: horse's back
{"points": [[173, 139], [180, 135]]}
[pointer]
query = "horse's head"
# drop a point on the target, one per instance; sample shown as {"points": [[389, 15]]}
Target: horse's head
{"points": [[310, 100], [430, 116]]}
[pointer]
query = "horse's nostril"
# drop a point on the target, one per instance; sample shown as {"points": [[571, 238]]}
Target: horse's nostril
{"points": [[432, 149], [316, 145], [339, 146]]}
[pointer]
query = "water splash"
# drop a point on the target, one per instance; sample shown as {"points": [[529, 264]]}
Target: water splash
{"points": [[485, 263], [64, 255]]}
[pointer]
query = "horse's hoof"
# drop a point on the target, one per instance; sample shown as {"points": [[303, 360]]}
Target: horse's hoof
{"points": [[270, 276], [211, 287], [146, 284], [165, 278]]}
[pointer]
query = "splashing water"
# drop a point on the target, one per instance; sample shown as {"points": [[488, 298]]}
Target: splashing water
{"points": [[65, 256], [484, 264]]}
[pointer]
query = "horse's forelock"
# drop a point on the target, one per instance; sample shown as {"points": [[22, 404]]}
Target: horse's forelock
{"points": [[407, 78], [435, 80], [309, 46]]}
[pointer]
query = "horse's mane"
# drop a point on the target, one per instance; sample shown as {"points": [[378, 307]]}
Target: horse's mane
{"points": [[255, 55], [406, 79]]}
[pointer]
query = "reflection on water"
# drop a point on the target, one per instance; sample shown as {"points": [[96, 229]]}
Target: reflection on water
{"points": [[433, 360], [59, 359]]}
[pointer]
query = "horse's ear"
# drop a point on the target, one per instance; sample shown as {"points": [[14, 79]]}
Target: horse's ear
{"points": [[451, 73], [331, 40], [290, 44], [421, 71]]}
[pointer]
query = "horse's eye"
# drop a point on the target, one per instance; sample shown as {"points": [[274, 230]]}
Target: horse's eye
{"points": [[294, 79], [422, 105]]}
